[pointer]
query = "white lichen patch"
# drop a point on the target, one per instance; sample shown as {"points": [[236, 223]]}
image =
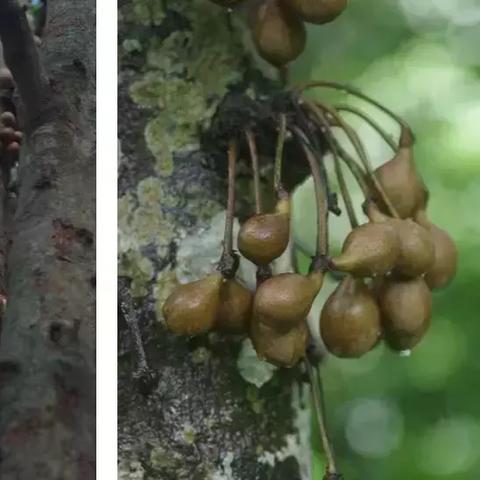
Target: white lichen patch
{"points": [[225, 472], [251, 368], [296, 445], [200, 355], [130, 470]]}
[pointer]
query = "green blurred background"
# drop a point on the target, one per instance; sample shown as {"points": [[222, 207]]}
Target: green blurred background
{"points": [[410, 417]]}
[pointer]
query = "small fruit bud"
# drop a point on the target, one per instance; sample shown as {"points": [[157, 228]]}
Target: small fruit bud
{"points": [[281, 349], [279, 35], [192, 308], [370, 249], [444, 267], [283, 301], [405, 308], [350, 320], [317, 11], [235, 308], [264, 237]]}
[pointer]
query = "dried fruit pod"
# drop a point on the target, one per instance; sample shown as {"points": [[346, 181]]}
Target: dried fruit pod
{"points": [[401, 181], [192, 308], [283, 301], [405, 307], [370, 249], [317, 11], [235, 308], [350, 319], [282, 349], [278, 35], [264, 237], [444, 267]]}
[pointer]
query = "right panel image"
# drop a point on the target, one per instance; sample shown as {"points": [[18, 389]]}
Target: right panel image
{"points": [[296, 251]]}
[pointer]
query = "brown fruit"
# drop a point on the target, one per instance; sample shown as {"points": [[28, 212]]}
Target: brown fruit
{"points": [[405, 307], [283, 301], [235, 308], [417, 252], [281, 349], [264, 237], [8, 119], [192, 308], [317, 11], [444, 267], [278, 35], [401, 181], [350, 320], [370, 249]]}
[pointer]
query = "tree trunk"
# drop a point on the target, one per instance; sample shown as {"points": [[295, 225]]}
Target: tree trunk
{"points": [[47, 356], [217, 413]]}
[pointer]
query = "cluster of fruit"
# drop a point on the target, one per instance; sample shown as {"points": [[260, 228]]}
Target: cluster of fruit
{"points": [[403, 253], [391, 263], [278, 27]]}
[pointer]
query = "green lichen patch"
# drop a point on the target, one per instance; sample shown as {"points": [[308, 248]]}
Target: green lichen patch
{"points": [[187, 74]]}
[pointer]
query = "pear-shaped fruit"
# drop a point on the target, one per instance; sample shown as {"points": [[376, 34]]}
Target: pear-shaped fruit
{"points": [[235, 308], [192, 308], [350, 319], [278, 35], [405, 308], [317, 11], [283, 301], [284, 349], [444, 267], [264, 237], [401, 181], [370, 249], [417, 252]]}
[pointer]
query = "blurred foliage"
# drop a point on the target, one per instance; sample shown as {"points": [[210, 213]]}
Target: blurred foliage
{"points": [[417, 417]]}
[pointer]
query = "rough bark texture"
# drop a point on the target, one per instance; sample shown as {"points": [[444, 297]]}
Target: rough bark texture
{"points": [[204, 420], [47, 356]]}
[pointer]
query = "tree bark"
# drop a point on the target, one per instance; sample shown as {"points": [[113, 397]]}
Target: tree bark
{"points": [[206, 419], [47, 356]]}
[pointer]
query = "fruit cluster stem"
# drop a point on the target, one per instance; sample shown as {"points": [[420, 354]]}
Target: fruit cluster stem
{"points": [[252, 145], [277, 175], [320, 413], [229, 261], [355, 92], [320, 195], [356, 142], [323, 124], [359, 113]]}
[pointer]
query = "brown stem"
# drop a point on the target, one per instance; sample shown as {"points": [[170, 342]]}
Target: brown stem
{"points": [[323, 124], [356, 111], [356, 142], [277, 175], [320, 412], [252, 145], [320, 195], [283, 75], [229, 261], [356, 93]]}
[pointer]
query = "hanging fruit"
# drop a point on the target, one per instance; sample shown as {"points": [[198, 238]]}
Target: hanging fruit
{"points": [[317, 11], [235, 308]]}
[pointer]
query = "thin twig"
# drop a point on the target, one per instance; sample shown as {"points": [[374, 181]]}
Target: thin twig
{"points": [[356, 93], [356, 111], [323, 123], [319, 406], [277, 175], [356, 142], [252, 145], [320, 194]]}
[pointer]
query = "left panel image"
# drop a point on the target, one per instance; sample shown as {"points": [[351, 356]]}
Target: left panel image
{"points": [[47, 239]]}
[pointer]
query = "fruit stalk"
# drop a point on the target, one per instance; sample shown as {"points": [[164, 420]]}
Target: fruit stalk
{"points": [[229, 261], [277, 178], [320, 413], [256, 174]]}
